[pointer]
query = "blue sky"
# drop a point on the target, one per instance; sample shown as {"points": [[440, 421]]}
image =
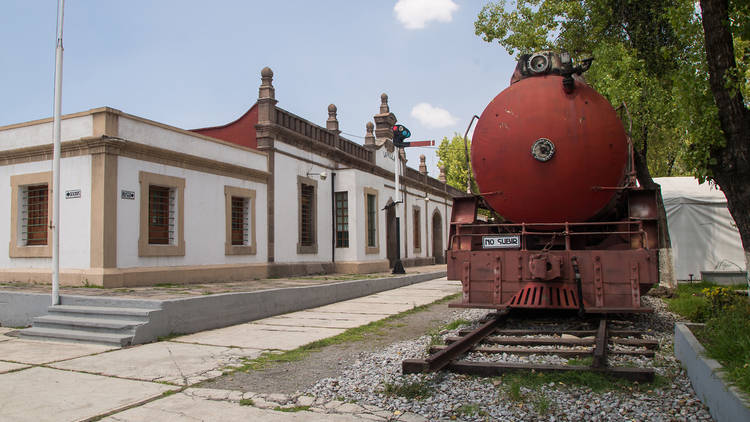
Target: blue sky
{"points": [[194, 64]]}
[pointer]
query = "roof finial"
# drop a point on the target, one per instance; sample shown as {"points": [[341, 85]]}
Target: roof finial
{"points": [[266, 85], [422, 164], [384, 104], [332, 123], [369, 136]]}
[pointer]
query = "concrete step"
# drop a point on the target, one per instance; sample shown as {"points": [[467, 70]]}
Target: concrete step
{"points": [[137, 314], [92, 324], [73, 321], [40, 333]]}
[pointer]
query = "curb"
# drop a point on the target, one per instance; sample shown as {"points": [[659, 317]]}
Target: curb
{"points": [[725, 402], [200, 313]]}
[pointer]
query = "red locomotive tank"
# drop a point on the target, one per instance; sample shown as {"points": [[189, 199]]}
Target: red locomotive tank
{"points": [[551, 156], [540, 154]]}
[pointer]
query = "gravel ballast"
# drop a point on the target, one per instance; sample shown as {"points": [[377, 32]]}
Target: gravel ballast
{"points": [[447, 396]]}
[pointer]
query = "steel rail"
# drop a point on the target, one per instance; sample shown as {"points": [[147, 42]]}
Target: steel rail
{"points": [[442, 358]]}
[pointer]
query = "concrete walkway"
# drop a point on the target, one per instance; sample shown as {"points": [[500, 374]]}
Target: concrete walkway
{"points": [[52, 381]]}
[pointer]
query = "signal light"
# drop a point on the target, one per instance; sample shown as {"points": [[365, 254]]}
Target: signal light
{"points": [[400, 132]]}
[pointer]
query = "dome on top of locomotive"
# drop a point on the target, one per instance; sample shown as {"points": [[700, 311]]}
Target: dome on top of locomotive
{"points": [[545, 153]]}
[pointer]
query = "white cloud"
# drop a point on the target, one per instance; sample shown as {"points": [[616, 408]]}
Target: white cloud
{"points": [[432, 117], [414, 14]]}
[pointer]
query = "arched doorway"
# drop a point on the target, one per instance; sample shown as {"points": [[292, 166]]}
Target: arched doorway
{"points": [[390, 232], [437, 238]]}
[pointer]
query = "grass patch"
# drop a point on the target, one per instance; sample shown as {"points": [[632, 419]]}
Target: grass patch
{"points": [[342, 277], [455, 324], [586, 361], [410, 390], [689, 301], [169, 336], [247, 402], [87, 285], [541, 404], [726, 335], [473, 409], [514, 383], [727, 339], [291, 409], [351, 335], [169, 393], [169, 285], [435, 334]]}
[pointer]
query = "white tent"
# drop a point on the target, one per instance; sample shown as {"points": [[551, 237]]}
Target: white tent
{"points": [[703, 233]]}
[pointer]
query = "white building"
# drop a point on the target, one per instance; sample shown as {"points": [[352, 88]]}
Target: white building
{"points": [[270, 194]]}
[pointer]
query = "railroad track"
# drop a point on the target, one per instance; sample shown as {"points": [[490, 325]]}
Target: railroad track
{"points": [[598, 339]]}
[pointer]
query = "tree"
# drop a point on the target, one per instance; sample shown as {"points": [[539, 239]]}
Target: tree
{"points": [[677, 73], [731, 166], [452, 157]]}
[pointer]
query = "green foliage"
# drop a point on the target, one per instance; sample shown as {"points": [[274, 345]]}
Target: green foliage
{"points": [[452, 156], [727, 339], [291, 409], [649, 56], [523, 386], [726, 335], [700, 302], [247, 402], [410, 390], [473, 409]]}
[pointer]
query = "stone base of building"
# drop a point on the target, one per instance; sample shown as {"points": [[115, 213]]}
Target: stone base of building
{"points": [[149, 276], [418, 261]]}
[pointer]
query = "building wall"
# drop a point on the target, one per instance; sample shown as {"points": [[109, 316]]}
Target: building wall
{"points": [[75, 173], [24, 135], [161, 136], [204, 223]]}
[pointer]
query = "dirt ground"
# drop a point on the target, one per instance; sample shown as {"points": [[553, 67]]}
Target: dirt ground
{"points": [[287, 378]]}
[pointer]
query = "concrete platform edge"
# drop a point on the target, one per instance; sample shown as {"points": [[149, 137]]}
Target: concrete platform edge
{"points": [[194, 314], [725, 402]]}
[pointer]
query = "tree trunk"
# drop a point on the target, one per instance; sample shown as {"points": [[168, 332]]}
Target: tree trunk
{"points": [[732, 169]]}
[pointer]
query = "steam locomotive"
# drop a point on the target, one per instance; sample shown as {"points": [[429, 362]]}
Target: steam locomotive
{"points": [[571, 229]]}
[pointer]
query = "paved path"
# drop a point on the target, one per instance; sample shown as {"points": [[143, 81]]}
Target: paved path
{"points": [[52, 381], [181, 291]]}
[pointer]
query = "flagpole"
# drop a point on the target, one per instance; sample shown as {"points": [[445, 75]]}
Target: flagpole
{"points": [[55, 222]]}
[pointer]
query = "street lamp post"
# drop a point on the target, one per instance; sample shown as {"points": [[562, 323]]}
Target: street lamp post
{"points": [[55, 221]]}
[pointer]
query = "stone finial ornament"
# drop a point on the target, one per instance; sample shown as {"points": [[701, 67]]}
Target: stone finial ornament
{"points": [[266, 85], [332, 123], [441, 177], [384, 120], [422, 164], [369, 135], [384, 104]]}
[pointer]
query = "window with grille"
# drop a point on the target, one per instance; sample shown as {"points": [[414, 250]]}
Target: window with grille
{"points": [[417, 232], [307, 215], [372, 215], [240, 221], [161, 215], [34, 214], [342, 219]]}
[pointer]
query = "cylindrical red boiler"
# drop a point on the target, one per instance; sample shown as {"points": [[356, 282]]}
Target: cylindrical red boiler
{"points": [[541, 155]]}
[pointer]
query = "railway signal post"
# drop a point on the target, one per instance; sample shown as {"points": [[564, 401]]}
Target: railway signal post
{"points": [[400, 133]]}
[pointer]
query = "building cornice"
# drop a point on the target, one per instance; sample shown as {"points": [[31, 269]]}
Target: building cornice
{"points": [[130, 149]]}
